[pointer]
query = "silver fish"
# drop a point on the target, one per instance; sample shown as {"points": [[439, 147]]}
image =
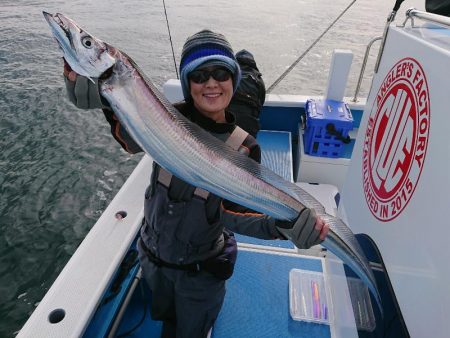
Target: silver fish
{"points": [[188, 151]]}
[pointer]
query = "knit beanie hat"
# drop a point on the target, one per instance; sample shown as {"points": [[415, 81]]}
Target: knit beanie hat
{"points": [[205, 49]]}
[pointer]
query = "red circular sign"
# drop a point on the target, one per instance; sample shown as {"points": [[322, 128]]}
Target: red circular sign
{"points": [[396, 140]]}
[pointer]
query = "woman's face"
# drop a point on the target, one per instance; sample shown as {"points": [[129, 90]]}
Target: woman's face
{"points": [[212, 96]]}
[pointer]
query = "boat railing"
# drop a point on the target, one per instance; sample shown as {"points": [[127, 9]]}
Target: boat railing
{"points": [[390, 19], [363, 67], [435, 18], [410, 15]]}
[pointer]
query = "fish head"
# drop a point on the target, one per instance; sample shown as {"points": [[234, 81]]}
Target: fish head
{"points": [[86, 55]]}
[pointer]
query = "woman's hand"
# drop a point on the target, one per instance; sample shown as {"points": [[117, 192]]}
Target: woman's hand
{"points": [[82, 92]]}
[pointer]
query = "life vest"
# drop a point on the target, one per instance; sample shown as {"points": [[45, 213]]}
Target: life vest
{"points": [[182, 222]]}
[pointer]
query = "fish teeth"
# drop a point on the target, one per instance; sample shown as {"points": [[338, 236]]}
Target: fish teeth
{"points": [[61, 23]]}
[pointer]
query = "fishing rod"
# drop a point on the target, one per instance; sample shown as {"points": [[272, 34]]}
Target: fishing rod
{"points": [[170, 39], [287, 71]]}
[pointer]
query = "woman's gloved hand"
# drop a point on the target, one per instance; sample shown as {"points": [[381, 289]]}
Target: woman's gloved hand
{"points": [[307, 230], [81, 91]]}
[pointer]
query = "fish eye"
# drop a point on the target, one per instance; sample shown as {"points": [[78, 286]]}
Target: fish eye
{"points": [[87, 42]]}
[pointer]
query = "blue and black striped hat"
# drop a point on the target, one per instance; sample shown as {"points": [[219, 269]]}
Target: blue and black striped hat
{"points": [[204, 49]]}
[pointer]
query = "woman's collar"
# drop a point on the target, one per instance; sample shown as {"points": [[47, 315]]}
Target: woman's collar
{"points": [[210, 124]]}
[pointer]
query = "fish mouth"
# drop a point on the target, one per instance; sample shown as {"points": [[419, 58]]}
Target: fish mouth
{"points": [[60, 26]]}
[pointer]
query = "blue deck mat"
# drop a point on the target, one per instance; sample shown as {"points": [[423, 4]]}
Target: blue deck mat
{"points": [[276, 152], [257, 299], [256, 304]]}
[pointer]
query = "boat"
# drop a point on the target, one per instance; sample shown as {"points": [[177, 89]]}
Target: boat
{"points": [[384, 173]]}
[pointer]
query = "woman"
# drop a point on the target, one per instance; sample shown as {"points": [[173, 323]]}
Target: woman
{"points": [[182, 234]]}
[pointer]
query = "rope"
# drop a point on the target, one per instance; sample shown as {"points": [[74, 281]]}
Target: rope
{"points": [[282, 76], [170, 38]]}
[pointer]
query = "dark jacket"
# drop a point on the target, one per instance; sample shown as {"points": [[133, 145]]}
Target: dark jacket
{"points": [[250, 95], [441, 7], [180, 227]]}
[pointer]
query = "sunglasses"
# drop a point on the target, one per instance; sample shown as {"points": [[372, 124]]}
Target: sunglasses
{"points": [[203, 75]]}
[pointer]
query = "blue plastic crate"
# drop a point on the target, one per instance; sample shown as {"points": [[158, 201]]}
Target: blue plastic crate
{"points": [[327, 125]]}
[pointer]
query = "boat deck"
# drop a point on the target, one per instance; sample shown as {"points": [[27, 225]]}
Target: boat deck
{"points": [[258, 292], [256, 303]]}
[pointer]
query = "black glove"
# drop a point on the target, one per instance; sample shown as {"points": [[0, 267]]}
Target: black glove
{"points": [[302, 231], [84, 94]]}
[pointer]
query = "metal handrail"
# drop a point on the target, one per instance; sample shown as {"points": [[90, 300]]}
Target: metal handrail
{"points": [[363, 67], [390, 19], [435, 18], [410, 15]]}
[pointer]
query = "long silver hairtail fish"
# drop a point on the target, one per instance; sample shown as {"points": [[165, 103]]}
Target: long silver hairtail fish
{"points": [[188, 151]]}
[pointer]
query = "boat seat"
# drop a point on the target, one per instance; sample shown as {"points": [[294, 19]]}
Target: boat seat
{"points": [[276, 152]]}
